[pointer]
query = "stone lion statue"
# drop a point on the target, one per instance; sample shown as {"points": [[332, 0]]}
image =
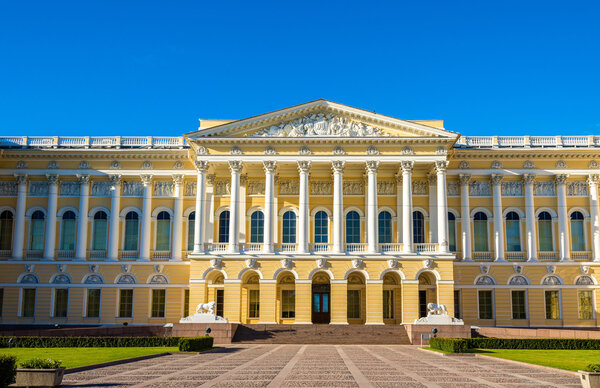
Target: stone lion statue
{"points": [[435, 309], [208, 307]]}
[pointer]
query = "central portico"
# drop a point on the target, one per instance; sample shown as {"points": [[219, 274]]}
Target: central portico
{"points": [[306, 215]]}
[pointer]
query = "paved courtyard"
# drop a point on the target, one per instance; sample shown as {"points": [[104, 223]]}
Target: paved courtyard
{"points": [[319, 366]]}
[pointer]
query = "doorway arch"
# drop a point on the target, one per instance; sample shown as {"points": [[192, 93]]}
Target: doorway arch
{"points": [[427, 291], [321, 298]]}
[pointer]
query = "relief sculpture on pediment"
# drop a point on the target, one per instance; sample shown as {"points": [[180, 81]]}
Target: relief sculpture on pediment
{"points": [[320, 124]]}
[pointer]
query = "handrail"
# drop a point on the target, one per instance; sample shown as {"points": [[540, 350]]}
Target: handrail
{"points": [[527, 141], [92, 142]]}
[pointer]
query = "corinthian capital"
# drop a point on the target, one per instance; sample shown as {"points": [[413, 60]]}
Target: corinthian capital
{"points": [[146, 179], [210, 179], [593, 179], [372, 165], [270, 166], [52, 179], [178, 179], [528, 179], [83, 179], [407, 166], [464, 179], [201, 165], [235, 165], [440, 166], [561, 179], [338, 166], [21, 178], [496, 179], [304, 166], [115, 179]]}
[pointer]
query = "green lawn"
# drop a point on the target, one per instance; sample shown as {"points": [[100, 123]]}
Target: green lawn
{"points": [[563, 359], [72, 357]]}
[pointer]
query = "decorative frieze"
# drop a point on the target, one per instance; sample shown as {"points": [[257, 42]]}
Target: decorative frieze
{"points": [[190, 189], [69, 188], [320, 187], [544, 189], [256, 187], [100, 189], [419, 187], [480, 189], [222, 187], [164, 188], [8, 188], [353, 187], [512, 189], [133, 189], [289, 187], [38, 189], [453, 189], [386, 187], [577, 189]]}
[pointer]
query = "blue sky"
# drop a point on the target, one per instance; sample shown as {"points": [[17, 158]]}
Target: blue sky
{"points": [[154, 68]]}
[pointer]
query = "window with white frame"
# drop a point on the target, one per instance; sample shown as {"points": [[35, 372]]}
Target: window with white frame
{"points": [[384, 227], [163, 231], [61, 302], [257, 227], [288, 234], [486, 304], [577, 232], [513, 232], [191, 231], [552, 298], [100, 237], [6, 229], [545, 242], [132, 225], [36, 231], [68, 231], [352, 227], [321, 227], [480, 232]]}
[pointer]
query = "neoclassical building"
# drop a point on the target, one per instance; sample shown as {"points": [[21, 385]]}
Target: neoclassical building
{"points": [[317, 213]]}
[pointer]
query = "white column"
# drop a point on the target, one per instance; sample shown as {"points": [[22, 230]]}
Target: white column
{"points": [[496, 180], [442, 207], [209, 218], [593, 185], [82, 222], [242, 209], [202, 168], [407, 227], [19, 236], [338, 206], [563, 221], [398, 208], [235, 166], [465, 212], [50, 238], [530, 238], [303, 217], [372, 166], [177, 240], [115, 209], [433, 213], [270, 167], [146, 218]]}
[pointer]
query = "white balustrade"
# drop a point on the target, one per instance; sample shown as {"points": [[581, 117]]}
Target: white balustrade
{"points": [[528, 141], [390, 247], [319, 247], [5, 253], [251, 247], [581, 255], [216, 247], [286, 247], [129, 255], [355, 247], [483, 256], [548, 255], [92, 141], [161, 255], [426, 247], [65, 254], [97, 254], [514, 256]]}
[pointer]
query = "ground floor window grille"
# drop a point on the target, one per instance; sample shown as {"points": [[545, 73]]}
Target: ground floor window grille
{"points": [[585, 299], [518, 305], [125, 303], [288, 304], [186, 303], [28, 302], [388, 304], [61, 302], [220, 301], [552, 305], [486, 308], [93, 303], [353, 304], [254, 303], [158, 303]]}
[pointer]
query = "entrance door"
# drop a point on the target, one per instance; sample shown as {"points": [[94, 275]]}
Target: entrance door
{"points": [[321, 303], [220, 299], [422, 303]]}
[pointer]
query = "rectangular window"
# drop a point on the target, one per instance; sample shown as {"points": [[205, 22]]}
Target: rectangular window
{"points": [[100, 234], [125, 303], [586, 309], [220, 301], [158, 303], [545, 236], [577, 236], [190, 237], [61, 302], [321, 226], [288, 304], [131, 234], [388, 304], [37, 234], [519, 309], [486, 308], [457, 304], [186, 303], [93, 303], [480, 234], [513, 236], [552, 305], [353, 304], [28, 302], [452, 235], [67, 242], [253, 303], [163, 235]]}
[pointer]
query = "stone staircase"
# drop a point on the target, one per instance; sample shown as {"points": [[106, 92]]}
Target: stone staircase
{"points": [[322, 334]]}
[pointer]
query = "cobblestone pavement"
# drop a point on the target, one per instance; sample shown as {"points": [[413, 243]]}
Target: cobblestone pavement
{"points": [[319, 366]]}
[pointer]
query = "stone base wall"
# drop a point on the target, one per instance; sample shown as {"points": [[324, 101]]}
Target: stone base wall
{"points": [[513, 332], [221, 332], [455, 331], [93, 331]]}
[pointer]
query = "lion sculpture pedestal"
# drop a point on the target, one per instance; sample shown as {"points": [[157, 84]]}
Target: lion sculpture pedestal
{"points": [[205, 313], [438, 315]]}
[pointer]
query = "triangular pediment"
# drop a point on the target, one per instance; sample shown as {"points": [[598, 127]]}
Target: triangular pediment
{"points": [[321, 119]]}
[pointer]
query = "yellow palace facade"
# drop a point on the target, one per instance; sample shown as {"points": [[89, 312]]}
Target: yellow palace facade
{"points": [[317, 213]]}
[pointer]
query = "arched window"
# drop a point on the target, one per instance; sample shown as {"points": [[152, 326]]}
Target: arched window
{"points": [[36, 232], [452, 232], [257, 227], [321, 227], [224, 226], [480, 232], [385, 227], [545, 232], [352, 228], [418, 227], [163, 231], [6, 228], [100, 231], [131, 231], [513, 232], [289, 228], [577, 234], [191, 231], [67, 234]]}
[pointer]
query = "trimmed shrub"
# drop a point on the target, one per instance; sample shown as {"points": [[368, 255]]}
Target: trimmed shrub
{"points": [[8, 370], [449, 345], [41, 363], [195, 344], [86, 342], [533, 343], [592, 368]]}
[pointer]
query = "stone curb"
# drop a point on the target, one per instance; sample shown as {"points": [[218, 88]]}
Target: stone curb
{"points": [[548, 368], [115, 362]]}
